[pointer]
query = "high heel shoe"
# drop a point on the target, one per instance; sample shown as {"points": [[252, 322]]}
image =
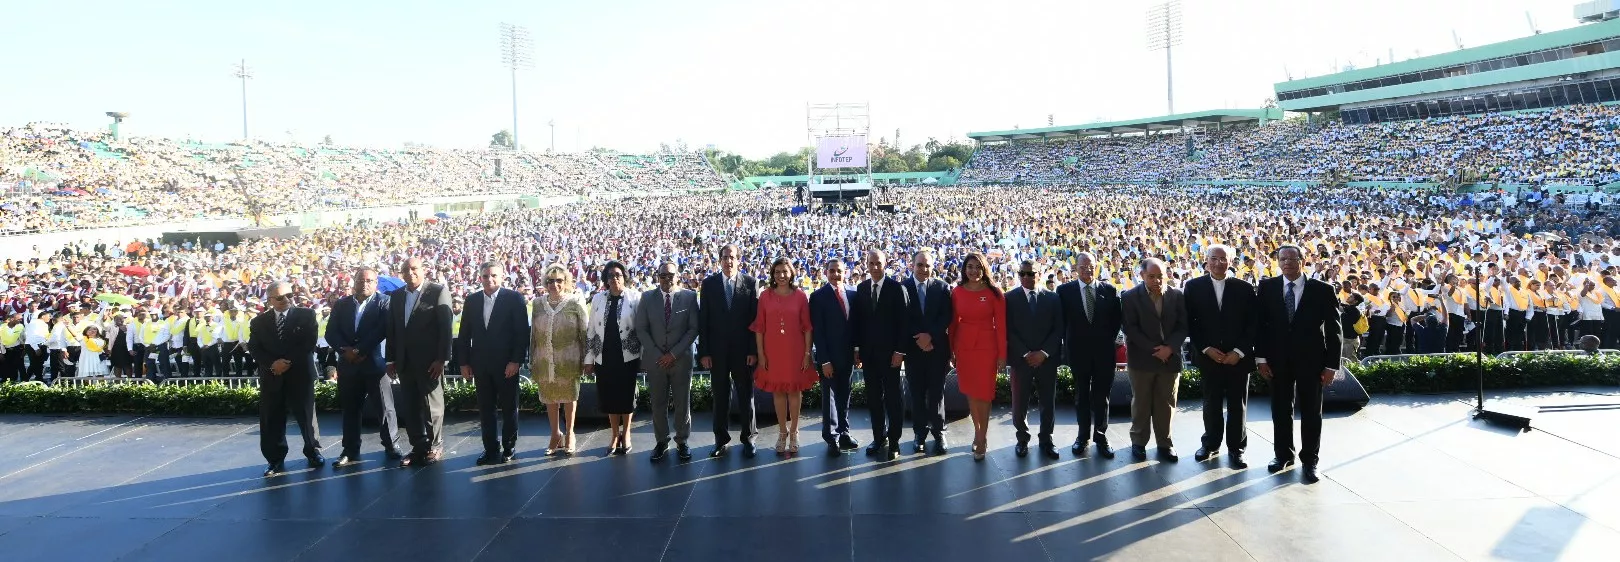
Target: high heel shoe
{"points": [[781, 443], [793, 444], [570, 448], [552, 446], [978, 449]]}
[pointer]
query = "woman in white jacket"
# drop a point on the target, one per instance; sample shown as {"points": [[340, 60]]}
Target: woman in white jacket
{"points": [[613, 353]]}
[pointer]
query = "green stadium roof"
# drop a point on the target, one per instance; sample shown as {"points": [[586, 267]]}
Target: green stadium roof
{"points": [[1550, 40], [1167, 122]]}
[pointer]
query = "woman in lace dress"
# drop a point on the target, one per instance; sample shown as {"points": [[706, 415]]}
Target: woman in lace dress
{"points": [[557, 352]]}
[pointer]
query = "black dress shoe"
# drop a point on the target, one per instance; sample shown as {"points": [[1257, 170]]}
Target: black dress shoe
{"points": [[719, 451], [874, 450], [393, 454], [1021, 449], [275, 469], [848, 443], [919, 447], [682, 453], [1202, 454], [1105, 451], [748, 450], [488, 459], [833, 449], [411, 459], [1168, 454], [1079, 448], [316, 461], [1139, 453], [1050, 452], [939, 447], [1237, 461], [658, 451], [1279, 465], [344, 461], [508, 455], [1308, 474], [891, 453]]}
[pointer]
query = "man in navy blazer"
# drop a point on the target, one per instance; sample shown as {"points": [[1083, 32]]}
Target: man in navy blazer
{"points": [[1092, 319], [928, 354], [881, 338], [356, 330], [492, 345], [834, 340]]}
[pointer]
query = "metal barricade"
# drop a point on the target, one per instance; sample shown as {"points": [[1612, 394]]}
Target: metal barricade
{"points": [[229, 382], [1511, 354], [77, 382]]}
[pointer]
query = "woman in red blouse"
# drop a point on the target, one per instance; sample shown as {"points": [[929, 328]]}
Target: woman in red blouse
{"points": [[978, 342], [782, 333]]}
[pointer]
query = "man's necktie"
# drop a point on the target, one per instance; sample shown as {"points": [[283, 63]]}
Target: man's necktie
{"points": [[922, 297], [1031, 295], [877, 291], [842, 304], [281, 324], [1090, 301], [1288, 301], [666, 309], [729, 290]]}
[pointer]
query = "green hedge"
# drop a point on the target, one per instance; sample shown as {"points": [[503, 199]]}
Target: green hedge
{"points": [[1419, 375]]}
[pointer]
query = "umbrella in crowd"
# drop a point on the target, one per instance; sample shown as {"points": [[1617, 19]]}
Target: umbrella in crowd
{"points": [[134, 271], [114, 298], [388, 283]]}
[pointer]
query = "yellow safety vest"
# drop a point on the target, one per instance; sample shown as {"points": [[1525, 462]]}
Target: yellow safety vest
{"points": [[233, 329], [455, 326], [11, 336], [1520, 296], [150, 332], [204, 334], [320, 328]]}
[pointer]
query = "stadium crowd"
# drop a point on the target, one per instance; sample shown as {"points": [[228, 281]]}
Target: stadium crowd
{"points": [[1576, 143], [58, 178], [1397, 258]]}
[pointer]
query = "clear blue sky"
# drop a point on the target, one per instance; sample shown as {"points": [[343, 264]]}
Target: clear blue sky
{"points": [[736, 73]]}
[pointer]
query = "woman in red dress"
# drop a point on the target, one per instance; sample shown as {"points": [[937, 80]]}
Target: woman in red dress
{"points": [[978, 342], [782, 333]]}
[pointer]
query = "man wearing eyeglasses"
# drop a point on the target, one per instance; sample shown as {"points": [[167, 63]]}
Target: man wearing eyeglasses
{"points": [[283, 344], [1297, 350], [669, 327]]}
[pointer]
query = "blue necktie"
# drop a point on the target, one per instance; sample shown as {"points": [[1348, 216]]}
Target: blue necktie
{"points": [[1288, 300]]}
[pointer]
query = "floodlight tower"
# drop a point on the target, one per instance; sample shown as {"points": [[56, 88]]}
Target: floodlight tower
{"points": [[243, 73], [1164, 32], [516, 47], [118, 118]]}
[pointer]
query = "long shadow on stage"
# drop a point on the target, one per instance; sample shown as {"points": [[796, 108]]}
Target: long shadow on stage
{"points": [[139, 488]]}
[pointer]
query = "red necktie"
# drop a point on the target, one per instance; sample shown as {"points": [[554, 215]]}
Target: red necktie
{"points": [[841, 303]]}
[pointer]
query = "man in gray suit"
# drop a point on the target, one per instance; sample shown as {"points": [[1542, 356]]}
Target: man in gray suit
{"points": [[1034, 338], [418, 348], [1155, 326], [667, 323]]}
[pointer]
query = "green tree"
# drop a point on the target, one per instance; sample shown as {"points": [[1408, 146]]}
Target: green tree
{"points": [[943, 162], [502, 139]]}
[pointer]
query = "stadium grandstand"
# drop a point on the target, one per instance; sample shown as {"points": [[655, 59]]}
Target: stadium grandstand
{"points": [[1536, 111], [58, 178]]}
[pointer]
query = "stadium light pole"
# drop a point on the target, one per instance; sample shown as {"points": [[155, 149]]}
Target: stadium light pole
{"points": [[516, 45], [243, 74], [1164, 32]]}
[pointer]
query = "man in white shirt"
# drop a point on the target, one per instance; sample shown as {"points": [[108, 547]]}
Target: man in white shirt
{"points": [[36, 338]]}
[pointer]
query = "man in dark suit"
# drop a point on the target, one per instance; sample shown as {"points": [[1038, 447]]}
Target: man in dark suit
{"points": [[356, 330], [1034, 339], [283, 344], [1154, 318], [727, 302], [667, 325], [1297, 349], [881, 337], [419, 343], [833, 335], [928, 353], [1091, 317], [493, 344], [1221, 321]]}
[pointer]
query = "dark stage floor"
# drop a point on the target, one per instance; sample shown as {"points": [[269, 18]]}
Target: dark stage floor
{"points": [[1407, 478]]}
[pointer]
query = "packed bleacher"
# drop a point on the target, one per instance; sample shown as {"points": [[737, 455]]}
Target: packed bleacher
{"points": [[1578, 144], [57, 178]]}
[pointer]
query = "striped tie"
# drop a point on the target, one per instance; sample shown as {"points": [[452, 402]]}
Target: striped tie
{"points": [[281, 324]]}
